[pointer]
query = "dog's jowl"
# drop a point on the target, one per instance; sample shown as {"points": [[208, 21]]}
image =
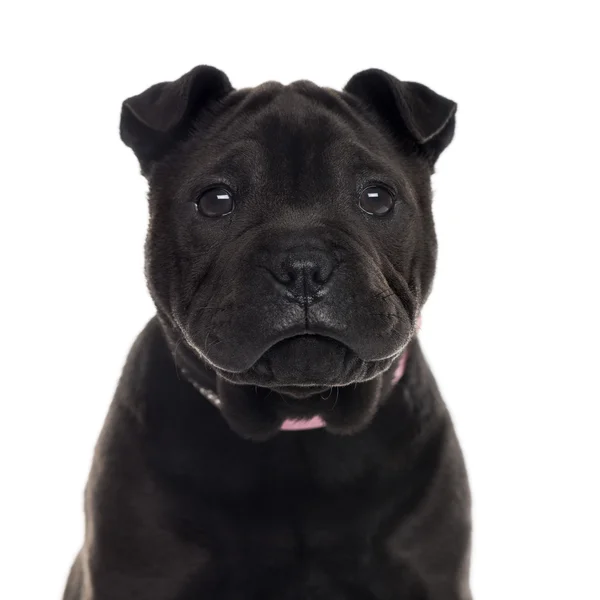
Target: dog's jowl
{"points": [[277, 433]]}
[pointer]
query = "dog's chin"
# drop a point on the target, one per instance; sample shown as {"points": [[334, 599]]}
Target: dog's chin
{"points": [[305, 360], [258, 414]]}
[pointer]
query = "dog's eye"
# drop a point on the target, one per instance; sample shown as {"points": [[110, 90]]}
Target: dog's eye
{"points": [[376, 200], [216, 202]]}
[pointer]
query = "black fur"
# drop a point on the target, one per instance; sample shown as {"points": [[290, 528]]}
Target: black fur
{"points": [[296, 304]]}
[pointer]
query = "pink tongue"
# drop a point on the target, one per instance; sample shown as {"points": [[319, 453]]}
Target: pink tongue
{"points": [[300, 425]]}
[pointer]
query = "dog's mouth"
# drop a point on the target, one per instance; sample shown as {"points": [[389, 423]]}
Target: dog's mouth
{"points": [[303, 363]]}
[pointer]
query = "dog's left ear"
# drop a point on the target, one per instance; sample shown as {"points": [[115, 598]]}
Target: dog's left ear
{"points": [[409, 109], [155, 120]]}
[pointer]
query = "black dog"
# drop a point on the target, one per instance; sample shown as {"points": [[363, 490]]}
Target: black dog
{"points": [[277, 432]]}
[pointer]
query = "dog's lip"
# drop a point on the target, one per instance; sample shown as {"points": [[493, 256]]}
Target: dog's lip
{"points": [[305, 334], [289, 334], [320, 332], [315, 333]]}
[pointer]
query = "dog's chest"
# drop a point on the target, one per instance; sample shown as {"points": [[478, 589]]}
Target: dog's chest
{"points": [[311, 548], [297, 523]]}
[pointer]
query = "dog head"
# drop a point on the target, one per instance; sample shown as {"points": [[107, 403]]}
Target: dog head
{"points": [[291, 243]]}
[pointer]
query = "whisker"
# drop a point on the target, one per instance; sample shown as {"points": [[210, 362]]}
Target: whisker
{"points": [[337, 397], [328, 395], [177, 370]]}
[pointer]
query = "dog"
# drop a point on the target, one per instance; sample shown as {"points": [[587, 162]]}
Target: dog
{"points": [[276, 432]]}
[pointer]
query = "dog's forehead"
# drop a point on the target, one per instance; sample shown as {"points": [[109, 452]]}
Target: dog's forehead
{"points": [[276, 115], [297, 127]]}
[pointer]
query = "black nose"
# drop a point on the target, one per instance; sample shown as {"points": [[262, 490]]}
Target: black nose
{"points": [[303, 274]]}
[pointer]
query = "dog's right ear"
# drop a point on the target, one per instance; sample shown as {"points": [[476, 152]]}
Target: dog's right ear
{"points": [[153, 121]]}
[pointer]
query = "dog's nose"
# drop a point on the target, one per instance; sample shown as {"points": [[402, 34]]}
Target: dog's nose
{"points": [[303, 275]]}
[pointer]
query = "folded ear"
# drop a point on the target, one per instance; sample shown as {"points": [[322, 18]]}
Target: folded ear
{"points": [[408, 109], [153, 121]]}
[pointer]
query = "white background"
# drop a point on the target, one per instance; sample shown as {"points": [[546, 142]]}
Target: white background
{"points": [[512, 327]]}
